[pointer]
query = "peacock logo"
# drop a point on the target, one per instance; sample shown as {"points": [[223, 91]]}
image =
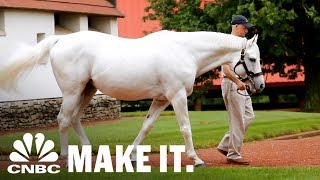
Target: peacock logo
{"points": [[23, 154]]}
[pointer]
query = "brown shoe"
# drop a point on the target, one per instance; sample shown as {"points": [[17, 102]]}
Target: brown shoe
{"points": [[222, 151], [237, 162]]}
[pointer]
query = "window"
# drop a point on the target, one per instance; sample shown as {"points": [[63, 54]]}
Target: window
{"points": [[40, 37], [102, 23], [61, 24]]}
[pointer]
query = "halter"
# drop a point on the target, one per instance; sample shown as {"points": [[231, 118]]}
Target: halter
{"points": [[250, 74]]}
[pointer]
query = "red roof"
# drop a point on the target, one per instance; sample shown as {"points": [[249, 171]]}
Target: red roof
{"points": [[99, 7]]}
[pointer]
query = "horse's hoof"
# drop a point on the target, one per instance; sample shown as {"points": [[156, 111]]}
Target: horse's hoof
{"points": [[203, 165], [134, 163]]}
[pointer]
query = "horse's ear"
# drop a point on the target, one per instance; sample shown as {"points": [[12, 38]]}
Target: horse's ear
{"points": [[253, 40]]}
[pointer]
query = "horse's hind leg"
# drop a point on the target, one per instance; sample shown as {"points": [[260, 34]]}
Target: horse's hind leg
{"points": [[71, 109], [68, 112], [86, 96], [155, 109]]}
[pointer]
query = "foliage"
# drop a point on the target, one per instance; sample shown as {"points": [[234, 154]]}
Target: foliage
{"points": [[288, 31]]}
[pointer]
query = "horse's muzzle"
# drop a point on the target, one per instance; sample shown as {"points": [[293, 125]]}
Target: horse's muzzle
{"points": [[261, 87]]}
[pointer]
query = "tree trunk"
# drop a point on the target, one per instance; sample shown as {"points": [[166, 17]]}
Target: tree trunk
{"points": [[312, 85], [198, 105]]}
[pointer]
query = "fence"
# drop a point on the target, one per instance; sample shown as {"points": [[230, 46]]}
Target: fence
{"points": [[43, 112]]}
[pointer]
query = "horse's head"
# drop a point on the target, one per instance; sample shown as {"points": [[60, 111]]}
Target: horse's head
{"points": [[249, 66]]}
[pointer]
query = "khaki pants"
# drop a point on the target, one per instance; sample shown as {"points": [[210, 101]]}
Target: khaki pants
{"points": [[240, 114]]}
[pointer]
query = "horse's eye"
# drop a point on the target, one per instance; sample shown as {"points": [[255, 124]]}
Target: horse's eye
{"points": [[252, 59]]}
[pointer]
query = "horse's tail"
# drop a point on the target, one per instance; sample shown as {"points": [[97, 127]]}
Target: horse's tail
{"points": [[24, 60]]}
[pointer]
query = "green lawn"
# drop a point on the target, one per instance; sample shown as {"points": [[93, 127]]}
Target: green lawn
{"points": [[208, 128], [247, 173]]}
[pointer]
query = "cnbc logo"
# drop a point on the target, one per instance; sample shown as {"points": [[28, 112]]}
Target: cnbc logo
{"points": [[22, 155]]}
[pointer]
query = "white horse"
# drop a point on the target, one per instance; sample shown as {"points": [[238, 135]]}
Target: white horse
{"points": [[161, 66]]}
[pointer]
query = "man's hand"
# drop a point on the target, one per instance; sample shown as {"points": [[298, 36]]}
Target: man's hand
{"points": [[241, 85]]}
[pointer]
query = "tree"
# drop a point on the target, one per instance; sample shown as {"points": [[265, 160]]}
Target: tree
{"points": [[288, 32]]}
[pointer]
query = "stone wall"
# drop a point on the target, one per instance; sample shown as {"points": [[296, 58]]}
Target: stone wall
{"points": [[43, 112]]}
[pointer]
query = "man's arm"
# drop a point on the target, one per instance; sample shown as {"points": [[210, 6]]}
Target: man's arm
{"points": [[228, 72]]}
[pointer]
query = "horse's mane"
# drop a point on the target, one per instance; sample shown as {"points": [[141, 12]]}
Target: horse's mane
{"points": [[216, 38]]}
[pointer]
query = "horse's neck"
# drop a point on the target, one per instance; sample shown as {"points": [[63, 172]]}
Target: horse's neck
{"points": [[207, 49], [214, 49]]}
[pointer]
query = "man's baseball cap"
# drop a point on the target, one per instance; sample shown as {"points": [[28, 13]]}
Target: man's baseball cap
{"points": [[239, 19]]}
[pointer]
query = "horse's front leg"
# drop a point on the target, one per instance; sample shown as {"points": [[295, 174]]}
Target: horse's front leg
{"points": [[155, 109], [180, 106]]}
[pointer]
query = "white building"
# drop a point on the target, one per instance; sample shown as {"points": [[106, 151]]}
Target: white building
{"points": [[30, 21]]}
